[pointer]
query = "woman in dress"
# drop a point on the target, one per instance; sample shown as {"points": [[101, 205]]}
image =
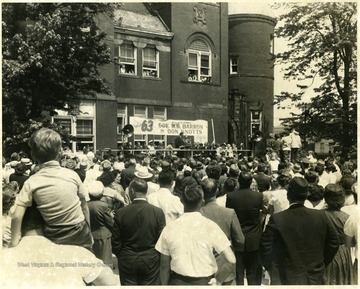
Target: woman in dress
{"points": [[338, 272]]}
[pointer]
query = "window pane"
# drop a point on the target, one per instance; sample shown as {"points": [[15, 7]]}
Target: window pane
{"points": [[84, 127], [192, 59], [150, 65], [150, 58], [150, 54], [121, 109], [120, 124], [158, 137], [204, 71], [139, 137], [272, 43], [233, 65], [255, 114], [205, 61], [160, 113], [140, 111], [127, 59], [127, 51], [255, 128], [65, 123]]}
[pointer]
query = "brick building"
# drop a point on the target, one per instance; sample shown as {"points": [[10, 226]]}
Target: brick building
{"points": [[251, 73], [172, 63]]}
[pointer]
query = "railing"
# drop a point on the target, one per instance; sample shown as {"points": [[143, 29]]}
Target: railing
{"points": [[148, 152]]}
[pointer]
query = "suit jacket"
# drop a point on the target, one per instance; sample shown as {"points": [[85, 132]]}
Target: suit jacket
{"points": [[137, 228], [101, 219], [263, 181], [297, 245], [228, 222], [127, 175], [247, 205]]}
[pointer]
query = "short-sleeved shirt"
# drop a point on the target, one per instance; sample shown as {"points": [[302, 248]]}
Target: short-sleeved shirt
{"points": [[190, 242], [56, 192], [38, 262], [278, 199], [152, 188], [170, 204], [351, 226]]}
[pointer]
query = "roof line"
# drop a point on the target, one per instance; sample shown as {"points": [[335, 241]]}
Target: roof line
{"points": [[156, 13]]}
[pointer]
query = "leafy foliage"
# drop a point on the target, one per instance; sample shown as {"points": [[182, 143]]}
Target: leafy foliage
{"points": [[322, 59], [51, 55], [19, 142]]}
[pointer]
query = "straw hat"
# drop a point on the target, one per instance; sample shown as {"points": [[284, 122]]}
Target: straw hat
{"points": [[143, 173]]}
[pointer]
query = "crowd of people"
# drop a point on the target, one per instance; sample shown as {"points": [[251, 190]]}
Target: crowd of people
{"points": [[208, 219]]}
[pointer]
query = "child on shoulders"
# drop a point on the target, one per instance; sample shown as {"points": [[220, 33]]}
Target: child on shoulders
{"points": [[58, 193]]}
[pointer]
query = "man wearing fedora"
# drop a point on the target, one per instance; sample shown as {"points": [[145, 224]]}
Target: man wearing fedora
{"points": [[144, 174], [297, 170], [299, 242]]}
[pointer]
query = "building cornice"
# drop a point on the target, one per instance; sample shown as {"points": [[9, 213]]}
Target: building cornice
{"points": [[252, 18], [251, 75], [143, 101], [142, 33]]}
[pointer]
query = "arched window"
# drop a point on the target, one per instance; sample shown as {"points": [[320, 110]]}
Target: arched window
{"points": [[199, 61]]}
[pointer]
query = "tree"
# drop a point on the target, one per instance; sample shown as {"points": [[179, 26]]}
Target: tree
{"points": [[51, 55], [321, 57], [20, 141]]}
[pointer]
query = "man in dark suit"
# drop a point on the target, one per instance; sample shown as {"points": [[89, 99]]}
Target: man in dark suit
{"points": [[299, 242], [180, 144], [262, 180], [247, 205], [228, 222], [127, 175], [137, 228]]}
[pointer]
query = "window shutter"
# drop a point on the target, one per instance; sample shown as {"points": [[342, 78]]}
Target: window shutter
{"points": [[199, 45]]}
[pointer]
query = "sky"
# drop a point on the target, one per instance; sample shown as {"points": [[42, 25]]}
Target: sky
{"points": [[280, 45]]}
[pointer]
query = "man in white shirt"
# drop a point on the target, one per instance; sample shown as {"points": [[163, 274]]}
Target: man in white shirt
{"points": [[164, 199], [295, 145], [285, 147], [187, 245]]}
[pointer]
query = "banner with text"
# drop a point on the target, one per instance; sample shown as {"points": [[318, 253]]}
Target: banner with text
{"points": [[196, 128]]}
